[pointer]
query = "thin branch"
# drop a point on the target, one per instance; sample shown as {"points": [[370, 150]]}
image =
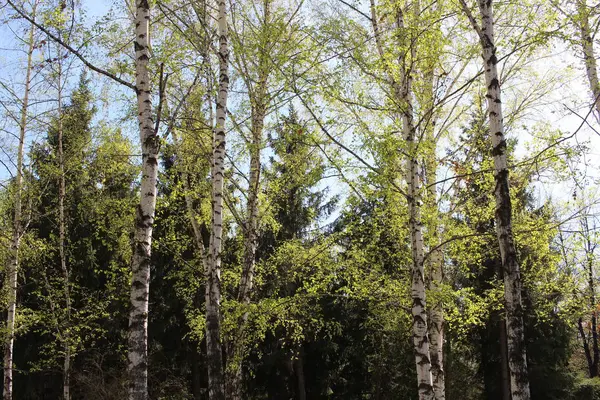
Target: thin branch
{"points": [[162, 85], [71, 49]]}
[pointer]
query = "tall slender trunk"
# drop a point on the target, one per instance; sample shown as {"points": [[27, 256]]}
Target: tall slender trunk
{"points": [[504, 369], [419, 313], [503, 339], [216, 384], [587, 45], [137, 356], [12, 269], [436, 255], [517, 360], [236, 352], [259, 103], [66, 335], [592, 298], [402, 96], [414, 197], [436, 321]]}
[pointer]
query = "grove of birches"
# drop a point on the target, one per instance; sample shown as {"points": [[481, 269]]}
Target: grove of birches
{"points": [[300, 199]]}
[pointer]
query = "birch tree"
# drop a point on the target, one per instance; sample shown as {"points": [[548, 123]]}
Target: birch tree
{"points": [[271, 42], [12, 270], [216, 382], [140, 267], [587, 35], [144, 220], [400, 78], [519, 378]]}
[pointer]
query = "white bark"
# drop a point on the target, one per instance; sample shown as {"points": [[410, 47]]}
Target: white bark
{"points": [[436, 254], [216, 384], [587, 45], [402, 96], [419, 312], [12, 269], [517, 357], [420, 330], [144, 220], [436, 329], [436, 263]]}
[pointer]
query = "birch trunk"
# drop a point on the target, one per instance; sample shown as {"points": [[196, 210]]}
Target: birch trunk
{"points": [[517, 359], [504, 369], [66, 339], [402, 97], [144, 220], [587, 45], [436, 322], [436, 255], [12, 269], [419, 312], [216, 384]]}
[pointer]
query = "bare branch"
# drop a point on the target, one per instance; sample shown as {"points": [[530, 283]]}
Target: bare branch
{"points": [[71, 49]]}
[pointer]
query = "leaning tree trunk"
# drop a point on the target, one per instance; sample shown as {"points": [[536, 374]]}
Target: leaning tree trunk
{"points": [[517, 358], [587, 45], [12, 269], [216, 383], [144, 219]]}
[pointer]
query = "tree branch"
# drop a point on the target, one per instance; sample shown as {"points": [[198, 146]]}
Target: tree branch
{"points": [[71, 49]]}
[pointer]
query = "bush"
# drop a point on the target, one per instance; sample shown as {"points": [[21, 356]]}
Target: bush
{"points": [[587, 389]]}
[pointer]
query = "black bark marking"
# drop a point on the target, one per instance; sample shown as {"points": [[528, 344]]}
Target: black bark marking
{"points": [[498, 150]]}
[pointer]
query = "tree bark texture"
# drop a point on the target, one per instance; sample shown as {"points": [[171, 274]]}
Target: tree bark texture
{"points": [[401, 90], [587, 45], [414, 197], [144, 219], [436, 253], [216, 384], [503, 215]]}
